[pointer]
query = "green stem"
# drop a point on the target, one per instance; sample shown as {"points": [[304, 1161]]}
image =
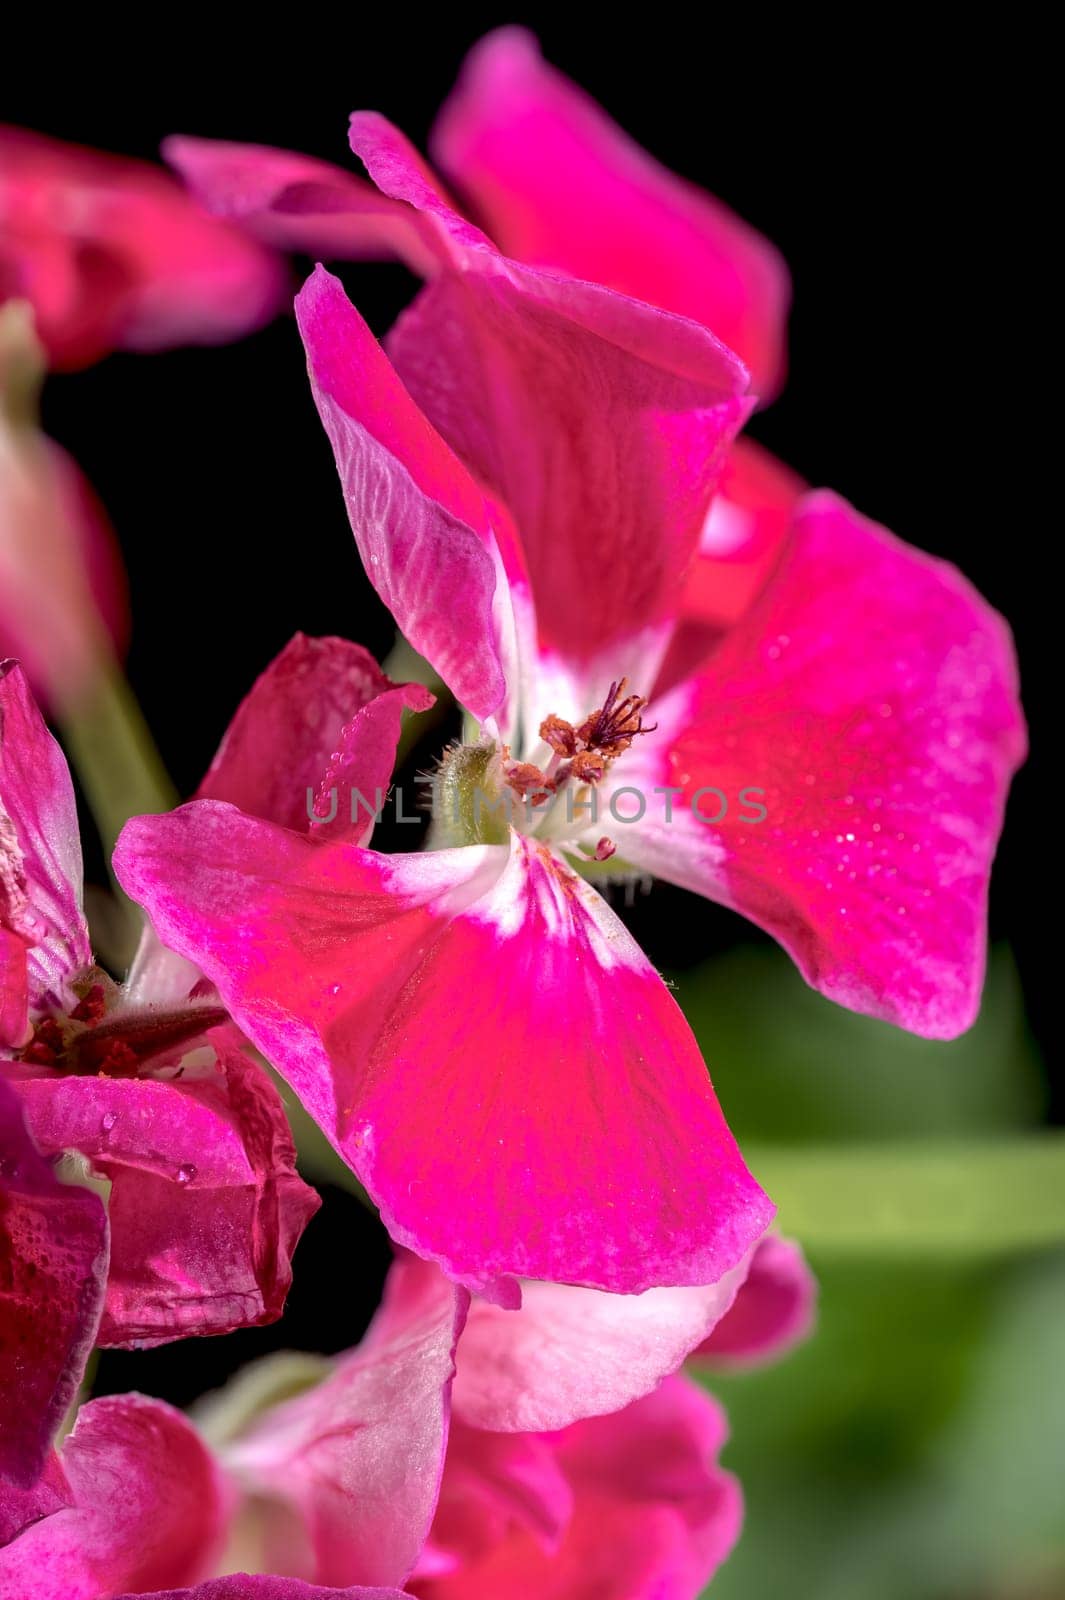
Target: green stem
{"points": [[121, 772], [120, 768]]}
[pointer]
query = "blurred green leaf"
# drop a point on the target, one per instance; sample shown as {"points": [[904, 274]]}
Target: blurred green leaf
{"points": [[789, 1065], [913, 1449], [959, 1198]]}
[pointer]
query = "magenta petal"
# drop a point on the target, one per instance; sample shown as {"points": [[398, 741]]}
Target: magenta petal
{"points": [[556, 182], [40, 861], [652, 1513], [419, 520], [206, 1207], [492, 994], [148, 1509], [359, 774], [53, 1266], [359, 1457], [570, 1353], [295, 202], [599, 422], [871, 695], [773, 1310], [261, 1586], [323, 713], [742, 538]]}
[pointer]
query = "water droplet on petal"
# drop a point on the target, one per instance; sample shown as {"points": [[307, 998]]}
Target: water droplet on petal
{"points": [[186, 1173], [108, 1120]]}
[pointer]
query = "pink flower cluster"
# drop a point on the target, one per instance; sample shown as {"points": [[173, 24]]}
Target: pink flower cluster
{"points": [[545, 485]]}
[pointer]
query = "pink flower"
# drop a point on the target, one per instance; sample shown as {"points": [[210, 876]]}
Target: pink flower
{"points": [[557, 183], [249, 1586], [355, 1471], [53, 1266], [528, 486], [512, 126], [576, 1461], [62, 585], [112, 254], [205, 1205], [631, 1506]]}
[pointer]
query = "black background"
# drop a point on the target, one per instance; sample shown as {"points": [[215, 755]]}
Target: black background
{"points": [[882, 165]]}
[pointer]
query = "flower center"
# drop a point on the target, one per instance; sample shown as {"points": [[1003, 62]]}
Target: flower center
{"points": [[584, 754], [482, 791]]}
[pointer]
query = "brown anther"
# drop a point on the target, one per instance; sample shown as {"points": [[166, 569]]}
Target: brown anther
{"points": [[559, 734], [587, 767], [616, 724], [528, 780]]}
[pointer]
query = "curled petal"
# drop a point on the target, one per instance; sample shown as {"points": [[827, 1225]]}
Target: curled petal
{"points": [[53, 1267], [570, 1353], [773, 1309], [358, 1458], [206, 1207], [323, 713], [420, 521], [870, 700], [583, 1131], [40, 863], [295, 202], [599, 422], [146, 1508], [652, 1511], [557, 183], [262, 1586]]}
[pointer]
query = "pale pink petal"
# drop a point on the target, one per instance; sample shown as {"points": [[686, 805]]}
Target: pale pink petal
{"points": [[112, 252], [40, 860], [870, 697], [261, 1586], [419, 519], [53, 1266], [773, 1310], [296, 202], [147, 1509], [205, 1208], [556, 182], [653, 1513], [570, 1353], [358, 1458], [584, 1142], [599, 422]]}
